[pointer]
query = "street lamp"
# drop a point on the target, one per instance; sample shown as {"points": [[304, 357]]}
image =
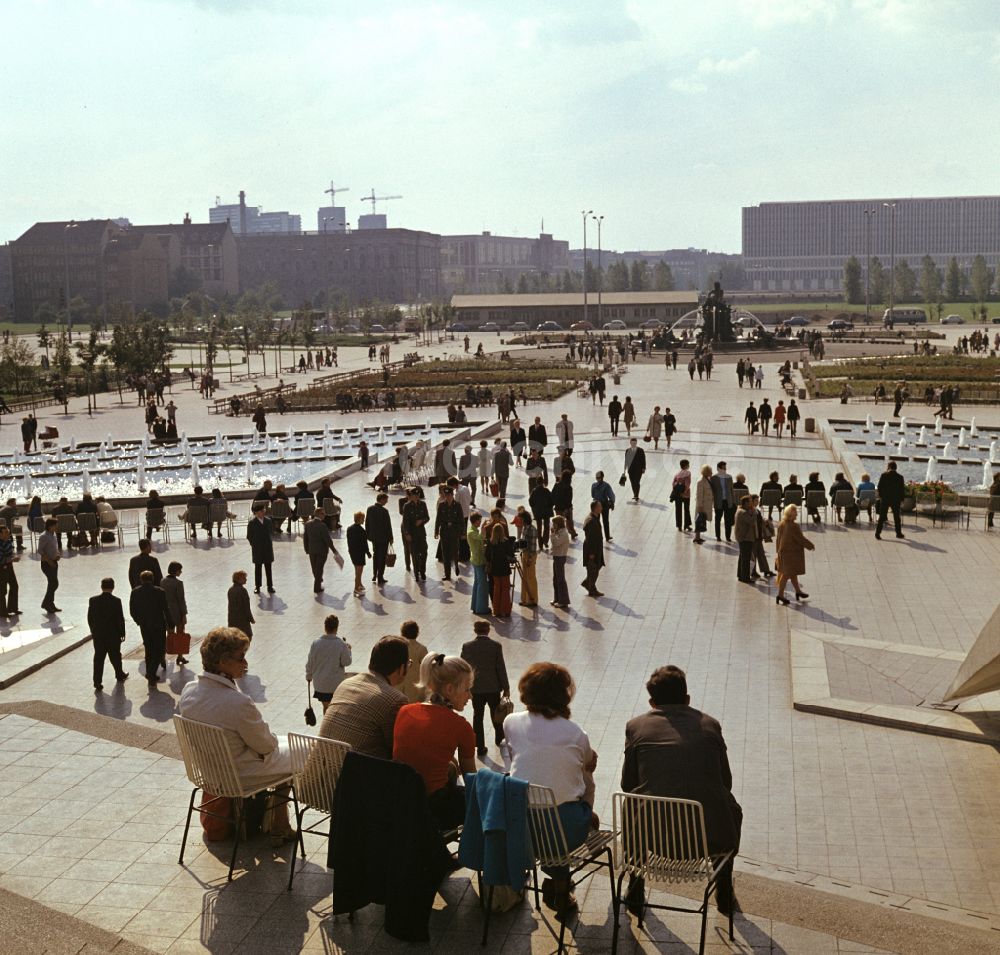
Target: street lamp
{"points": [[892, 263], [868, 263], [69, 311], [585, 213], [600, 277]]}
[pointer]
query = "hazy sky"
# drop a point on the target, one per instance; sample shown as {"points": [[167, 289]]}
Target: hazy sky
{"points": [[665, 116]]}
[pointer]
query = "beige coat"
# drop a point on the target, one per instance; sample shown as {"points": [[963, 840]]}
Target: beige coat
{"points": [[790, 549], [704, 499]]}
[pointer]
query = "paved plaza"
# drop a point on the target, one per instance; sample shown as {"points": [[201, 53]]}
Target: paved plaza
{"points": [[857, 837]]}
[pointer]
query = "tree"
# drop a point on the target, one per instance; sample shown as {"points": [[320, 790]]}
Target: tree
{"points": [[930, 280], [618, 276], [853, 292], [877, 285], [639, 275], [17, 359], [88, 353], [981, 279], [905, 282], [953, 281], [44, 340], [62, 361], [663, 277], [182, 282]]}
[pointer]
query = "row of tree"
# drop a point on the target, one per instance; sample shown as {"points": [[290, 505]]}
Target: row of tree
{"points": [[931, 285]]}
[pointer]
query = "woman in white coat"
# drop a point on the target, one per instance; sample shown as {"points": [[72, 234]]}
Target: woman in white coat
{"points": [[654, 426], [260, 757], [704, 503]]}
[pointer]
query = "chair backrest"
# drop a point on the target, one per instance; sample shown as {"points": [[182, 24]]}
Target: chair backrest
{"points": [[771, 497], [208, 762], [330, 507], [87, 522], [815, 498], [65, 522], [927, 499], [219, 511], [792, 497], [843, 499], [949, 499], [38, 524], [869, 494], [280, 509], [316, 765], [305, 507], [548, 839], [660, 838], [197, 514], [156, 517]]}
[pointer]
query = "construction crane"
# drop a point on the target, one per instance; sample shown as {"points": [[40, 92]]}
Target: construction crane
{"points": [[332, 192], [373, 199]]}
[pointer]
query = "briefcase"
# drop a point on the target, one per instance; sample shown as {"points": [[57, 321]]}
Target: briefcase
{"points": [[178, 642]]}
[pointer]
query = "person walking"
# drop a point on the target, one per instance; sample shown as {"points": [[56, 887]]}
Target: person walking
{"points": [[765, 534], [107, 629], [725, 501], [635, 466], [357, 550], [750, 417], [891, 491], [8, 578], [669, 426], [793, 418], [898, 397], [529, 558], [260, 534], [562, 500], [238, 613], [147, 606], [501, 462], [477, 558], [414, 529], [704, 504], [745, 531], [779, 418], [329, 656], [559, 544], [448, 524], [485, 656], [764, 414], [318, 543], [628, 415], [614, 414], [540, 502], [484, 466], [680, 494], [499, 557], [564, 432], [603, 494], [173, 590], [378, 527], [593, 550], [790, 548], [654, 427], [49, 557]]}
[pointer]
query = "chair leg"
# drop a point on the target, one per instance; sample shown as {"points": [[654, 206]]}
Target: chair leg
{"points": [[562, 934], [236, 836], [616, 901], [489, 910], [731, 907], [187, 826], [538, 899], [704, 919]]}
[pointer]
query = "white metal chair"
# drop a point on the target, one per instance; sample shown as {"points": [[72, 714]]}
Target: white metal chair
{"points": [[331, 509], [209, 767], [316, 766], [868, 499], [816, 500], [156, 520], [197, 516], [663, 840], [127, 521], [305, 508], [841, 501], [218, 514]]}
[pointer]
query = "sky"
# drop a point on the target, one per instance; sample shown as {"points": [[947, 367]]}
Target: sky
{"points": [[664, 116]]}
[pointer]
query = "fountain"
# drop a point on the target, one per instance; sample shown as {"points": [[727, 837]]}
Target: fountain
{"points": [[963, 441], [932, 469], [902, 425], [937, 426], [72, 443], [86, 482], [901, 447], [973, 430], [361, 429], [140, 479], [949, 451], [381, 435], [922, 437], [195, 473], [993, 451], [987, 474], [29, 484], [885, 433], [218, 439], [394, 427], [248, 473], [868, 423]]}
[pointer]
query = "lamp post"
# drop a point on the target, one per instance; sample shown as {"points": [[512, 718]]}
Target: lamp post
{"points": [[69, 311], [892, 263], [868, 263], [600, 277], [585, 213]]}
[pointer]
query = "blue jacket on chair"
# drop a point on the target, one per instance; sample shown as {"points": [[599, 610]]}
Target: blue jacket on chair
{"points": [[495, 836]]}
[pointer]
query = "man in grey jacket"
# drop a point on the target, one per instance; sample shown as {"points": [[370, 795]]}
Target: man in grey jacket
{"points": [[485, 656], [725, 500], [318, 542]]}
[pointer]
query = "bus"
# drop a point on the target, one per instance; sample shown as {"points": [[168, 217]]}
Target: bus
{"points": [[903, 316]]}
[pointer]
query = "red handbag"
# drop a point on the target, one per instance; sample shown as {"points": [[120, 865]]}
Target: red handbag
{"points": [[178, 642]]}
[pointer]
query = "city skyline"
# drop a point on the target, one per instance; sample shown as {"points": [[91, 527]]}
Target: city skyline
{"points": [[667, 120]]}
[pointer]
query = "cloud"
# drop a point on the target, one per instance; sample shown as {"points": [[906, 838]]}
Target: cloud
{"points": [[772, 13], [682, 85], [730, 65]]}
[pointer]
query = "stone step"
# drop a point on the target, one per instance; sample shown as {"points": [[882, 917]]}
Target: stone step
{"points": [[22, 652]]}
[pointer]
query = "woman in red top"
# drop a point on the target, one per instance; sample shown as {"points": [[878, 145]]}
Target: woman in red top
{"points": [[427, 735]]}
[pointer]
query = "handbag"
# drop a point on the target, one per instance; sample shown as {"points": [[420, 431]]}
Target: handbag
{"points": [[621, 480], [178, 642], [502, 710], [494, 488], [310, 713], [390, 557], [677, 491], [768, 534]]}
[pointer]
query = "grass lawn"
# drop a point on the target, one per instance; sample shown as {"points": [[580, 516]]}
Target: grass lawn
{"points": [[976, 377], [824, 311]]}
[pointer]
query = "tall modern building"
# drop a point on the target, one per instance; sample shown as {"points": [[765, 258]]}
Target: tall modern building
{"points": [[494, 263], [331, 219], [802, 246], [252, 219], [6, 282]]}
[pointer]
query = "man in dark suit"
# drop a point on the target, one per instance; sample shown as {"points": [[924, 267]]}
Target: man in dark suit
{"points": [[678, 752], [485, 656], [144, 560], [593, 549], [537, 438], [148, 608], [891, 491], [635, 466], [107, 629], [318, 543], [378, 529], [260, 533], [415, 521], [448, 524], [725, 501]]}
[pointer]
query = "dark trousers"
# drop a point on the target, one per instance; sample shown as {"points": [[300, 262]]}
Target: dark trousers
{"points": [[114, 653], [447, 806], [418, 555], [682, 513], [51, 572], [727, 513], [449, 550], [590, 581], [745, 564], [318, 562], [883, 512], [635, 482], [8, 590], [407, 559], [256, 575], [542, 523], [605, 520], [760, 558], [479, 703], [379, 550], [614, 426], [155, 645]]}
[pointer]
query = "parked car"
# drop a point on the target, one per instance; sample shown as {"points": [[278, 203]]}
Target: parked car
{"points": [[377, 329], [797, 320], [351, 329], [954, 320], [489, 327], [581, 327], [548, 327], [616, 325], [653, 323], [518, 327], [840, 325], [459, 327]]}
